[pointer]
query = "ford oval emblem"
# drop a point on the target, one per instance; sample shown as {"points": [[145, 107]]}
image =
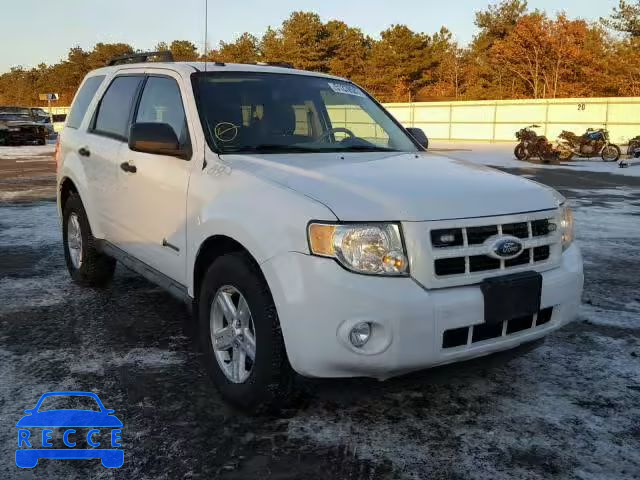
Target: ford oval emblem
{"points": [[506, 248]]}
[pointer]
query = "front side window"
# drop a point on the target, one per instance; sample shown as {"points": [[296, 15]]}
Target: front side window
{"points": [[276, 113], [112, 117], [83, 99], [161, 103]]}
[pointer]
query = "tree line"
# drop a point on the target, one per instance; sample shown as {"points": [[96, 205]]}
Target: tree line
{"points": [[517, 53]]}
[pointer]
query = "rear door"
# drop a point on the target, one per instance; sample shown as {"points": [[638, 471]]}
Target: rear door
{"points": [[108, 134], [152, 200], [74, 138]]}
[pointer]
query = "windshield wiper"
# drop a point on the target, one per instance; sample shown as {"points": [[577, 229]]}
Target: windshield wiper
{"points": [[366, 148], [273, 148]]}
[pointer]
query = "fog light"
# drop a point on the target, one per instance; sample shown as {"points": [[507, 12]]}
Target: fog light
{"points": [[360, 334]]}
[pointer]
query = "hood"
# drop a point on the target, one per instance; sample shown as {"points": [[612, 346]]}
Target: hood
{"points": [[18, 123], [400, 186]]}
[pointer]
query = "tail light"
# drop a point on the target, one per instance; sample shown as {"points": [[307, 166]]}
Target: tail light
{"points": [[57, 155]]}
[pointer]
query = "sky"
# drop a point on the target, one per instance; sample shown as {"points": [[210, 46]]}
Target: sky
{"points": [[41, 31]]}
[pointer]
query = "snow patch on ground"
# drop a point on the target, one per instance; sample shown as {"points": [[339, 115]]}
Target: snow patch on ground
{"points": [[32, 225], [93, 362], [13, 153], [501, 155], [34, 192]]}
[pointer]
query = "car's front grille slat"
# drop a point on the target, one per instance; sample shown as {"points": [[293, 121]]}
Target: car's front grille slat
{"points": [[462, 250], [465, 336]]}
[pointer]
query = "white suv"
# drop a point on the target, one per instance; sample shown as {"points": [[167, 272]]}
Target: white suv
{"points": [[309, 230]]}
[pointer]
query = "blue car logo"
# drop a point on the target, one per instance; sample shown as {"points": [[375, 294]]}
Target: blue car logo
{"points": [[95, 428], [505, 247]]}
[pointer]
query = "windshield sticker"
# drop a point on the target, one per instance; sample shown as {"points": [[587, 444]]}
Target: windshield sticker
{"points": [[346, 89], [226, 131]]}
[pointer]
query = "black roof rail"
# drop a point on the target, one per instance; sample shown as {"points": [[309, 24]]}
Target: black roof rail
{"points": [[275, 64], [141, 57]]}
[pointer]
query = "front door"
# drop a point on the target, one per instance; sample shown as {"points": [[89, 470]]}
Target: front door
{"points": [[152, 199]]}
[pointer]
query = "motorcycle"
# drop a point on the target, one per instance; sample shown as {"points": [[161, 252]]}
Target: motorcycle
{"points": [[633, 150], [594, 142], [533, 145]]}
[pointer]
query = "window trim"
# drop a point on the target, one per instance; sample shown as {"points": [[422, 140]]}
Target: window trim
{"points": [[92, 124], [188, 145], [86, 110]]}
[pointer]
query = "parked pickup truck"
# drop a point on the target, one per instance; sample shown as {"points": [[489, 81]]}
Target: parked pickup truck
{"points": [[18, 127], [308, 229]]}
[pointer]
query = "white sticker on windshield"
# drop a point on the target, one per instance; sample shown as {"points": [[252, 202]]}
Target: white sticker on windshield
{"points": [[346, 89]]}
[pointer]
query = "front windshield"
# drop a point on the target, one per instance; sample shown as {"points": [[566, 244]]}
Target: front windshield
{"points": [[284, 113]]}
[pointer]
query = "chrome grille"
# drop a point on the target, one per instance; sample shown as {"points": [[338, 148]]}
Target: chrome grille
{"points": [[461, 250]]}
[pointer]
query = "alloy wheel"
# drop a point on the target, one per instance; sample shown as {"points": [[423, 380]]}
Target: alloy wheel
{"points": [[74, 240], [232, 333]]}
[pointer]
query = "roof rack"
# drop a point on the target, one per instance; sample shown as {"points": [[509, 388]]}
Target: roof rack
{"points": [[142, 57], [275, 64]]}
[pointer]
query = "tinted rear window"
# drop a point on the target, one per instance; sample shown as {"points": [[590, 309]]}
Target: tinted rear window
{"points": [[83, 99], [115, 107]]}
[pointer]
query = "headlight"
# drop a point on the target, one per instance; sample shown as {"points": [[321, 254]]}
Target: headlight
{"points": [[566, 226], [374, 249]]}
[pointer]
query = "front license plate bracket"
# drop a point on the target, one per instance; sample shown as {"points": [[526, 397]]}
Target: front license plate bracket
{"points": [[511, 296]]}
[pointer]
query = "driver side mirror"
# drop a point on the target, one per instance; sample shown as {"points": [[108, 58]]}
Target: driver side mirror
{"points": [[156, 138], [420, 137]]}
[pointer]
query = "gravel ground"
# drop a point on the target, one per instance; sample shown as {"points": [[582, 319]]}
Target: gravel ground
{"points": [[569, 408]]}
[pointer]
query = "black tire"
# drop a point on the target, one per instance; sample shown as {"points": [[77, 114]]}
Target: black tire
{"points": [[96, 269], [42, 141], [610, 147], [520, 152], [269, 384]]}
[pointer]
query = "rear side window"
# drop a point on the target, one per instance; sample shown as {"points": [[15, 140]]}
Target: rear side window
{"points": [[112, 117], [83, 99]]}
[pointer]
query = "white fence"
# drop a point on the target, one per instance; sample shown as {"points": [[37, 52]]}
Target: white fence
{"points": [[499, 120]]}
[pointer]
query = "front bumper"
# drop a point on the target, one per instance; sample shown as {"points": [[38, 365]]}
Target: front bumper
{"points": [[318, 302]]}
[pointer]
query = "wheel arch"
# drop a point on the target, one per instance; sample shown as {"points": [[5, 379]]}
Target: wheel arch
{"points": [[67, 186], [212, 248], [75, 181]]}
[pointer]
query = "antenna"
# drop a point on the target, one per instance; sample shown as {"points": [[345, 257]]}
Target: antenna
{"points": [[206, 31]]}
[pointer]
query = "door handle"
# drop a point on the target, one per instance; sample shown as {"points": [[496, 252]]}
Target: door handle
{"points": [[83, 151], [127, 167]]}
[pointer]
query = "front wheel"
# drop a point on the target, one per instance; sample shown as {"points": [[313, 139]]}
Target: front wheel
{"points": [[610, 153], [520, 152], [565, 155], [240, 335]]}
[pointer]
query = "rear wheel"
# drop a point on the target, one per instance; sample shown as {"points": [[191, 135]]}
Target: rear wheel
{"points": [[240, 335], [610, 153], [86, 265]]}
